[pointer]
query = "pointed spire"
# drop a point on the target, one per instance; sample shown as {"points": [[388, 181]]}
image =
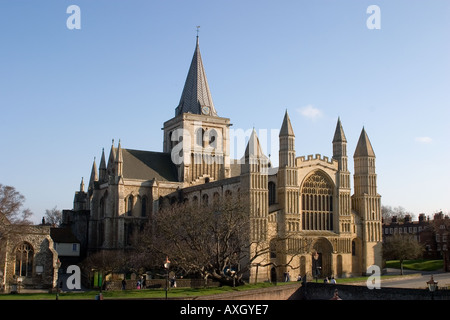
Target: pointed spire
{"points": [[364, 147], [196, 97], [286, 127], [102, 168], [102, 160], [94, 177], [119, 160], [339, 135], [82, 185], [253, 147], [119, 157]]}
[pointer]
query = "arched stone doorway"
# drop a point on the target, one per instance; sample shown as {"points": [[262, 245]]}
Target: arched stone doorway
{"points": [[273, 275], [321, 259]]}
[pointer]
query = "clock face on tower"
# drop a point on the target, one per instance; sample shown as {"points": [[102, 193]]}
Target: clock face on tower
{"points": [[205, 110]]}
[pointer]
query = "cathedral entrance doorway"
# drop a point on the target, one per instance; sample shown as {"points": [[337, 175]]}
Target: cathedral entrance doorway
{"points": [[321, 258]]}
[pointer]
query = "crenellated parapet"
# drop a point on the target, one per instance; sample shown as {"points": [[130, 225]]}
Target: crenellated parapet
{"points": [[314, 160]]}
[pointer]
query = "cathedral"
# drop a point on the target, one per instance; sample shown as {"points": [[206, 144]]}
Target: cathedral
{"points": [[307, 200]]}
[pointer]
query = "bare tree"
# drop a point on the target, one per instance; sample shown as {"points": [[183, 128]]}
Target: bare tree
{"points": [[402, 247], [213, 241], [53, 216], [11, 202], [106, 262], [400, 212]]}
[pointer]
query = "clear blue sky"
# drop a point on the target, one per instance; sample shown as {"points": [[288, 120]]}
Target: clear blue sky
{"points": [[65, 94]]}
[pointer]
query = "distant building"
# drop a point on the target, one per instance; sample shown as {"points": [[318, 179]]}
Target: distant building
{"points": [[66, 245], [432, 234], [407, 225], [27, 257]]}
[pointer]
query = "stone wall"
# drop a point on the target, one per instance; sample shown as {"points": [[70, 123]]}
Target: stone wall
{"points": [[161, 283], [280, 292], [324, 291], [44, 257]]}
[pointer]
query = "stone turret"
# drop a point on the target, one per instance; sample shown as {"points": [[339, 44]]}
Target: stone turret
{"points": [[342, 179], [367, 202]]}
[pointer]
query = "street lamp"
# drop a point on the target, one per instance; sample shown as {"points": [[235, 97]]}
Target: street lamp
{"points": [[166, 266], [432, 286]]}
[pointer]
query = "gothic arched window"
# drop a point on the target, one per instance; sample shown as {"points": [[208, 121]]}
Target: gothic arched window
{"points": [[24, 260], [317, 202], [102, 207], [212, 138], [144, 206], [205, 199], [199, 133], [129, 205], [272, 192], [195, 200]]}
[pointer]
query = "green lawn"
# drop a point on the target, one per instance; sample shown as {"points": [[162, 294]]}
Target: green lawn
{"points": [[136, 294], [419, 265]]}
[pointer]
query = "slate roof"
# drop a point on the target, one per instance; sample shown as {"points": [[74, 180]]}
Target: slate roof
{"points": [[196, 93], [63, 235], [148, 165]]}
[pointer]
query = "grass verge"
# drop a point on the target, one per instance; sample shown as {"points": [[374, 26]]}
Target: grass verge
{"points": [[419, 265], [137, 294]]}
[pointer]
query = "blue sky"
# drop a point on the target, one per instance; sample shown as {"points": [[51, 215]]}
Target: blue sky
{"points": [[65, 94]]}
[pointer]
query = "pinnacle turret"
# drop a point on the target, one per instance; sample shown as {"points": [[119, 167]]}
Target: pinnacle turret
{"points": [[364, 147], [286, 127], [339, 135]]}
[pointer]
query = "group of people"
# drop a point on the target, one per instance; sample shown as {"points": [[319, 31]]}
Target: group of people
{"points": [[140, 284], [287, 278], [332, 280]]}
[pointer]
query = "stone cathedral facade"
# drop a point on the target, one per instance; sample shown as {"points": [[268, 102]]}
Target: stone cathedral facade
{"points": [[307, 200]]}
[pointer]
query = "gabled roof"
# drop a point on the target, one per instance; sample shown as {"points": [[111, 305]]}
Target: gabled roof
{"points": [[196, 92], [63, 235], [148, 165], [364, 147]]}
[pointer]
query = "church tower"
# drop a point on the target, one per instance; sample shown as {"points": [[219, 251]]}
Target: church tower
{"points": [[254, 186], [367, 202], [288, 190], [342, 179], [197, 138]]}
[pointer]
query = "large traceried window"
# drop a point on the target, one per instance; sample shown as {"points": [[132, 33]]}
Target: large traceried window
{"points": [[24, 260], [317, 203]]}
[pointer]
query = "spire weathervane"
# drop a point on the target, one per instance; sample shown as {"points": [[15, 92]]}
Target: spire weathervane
{"points": [[198, 30]]}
